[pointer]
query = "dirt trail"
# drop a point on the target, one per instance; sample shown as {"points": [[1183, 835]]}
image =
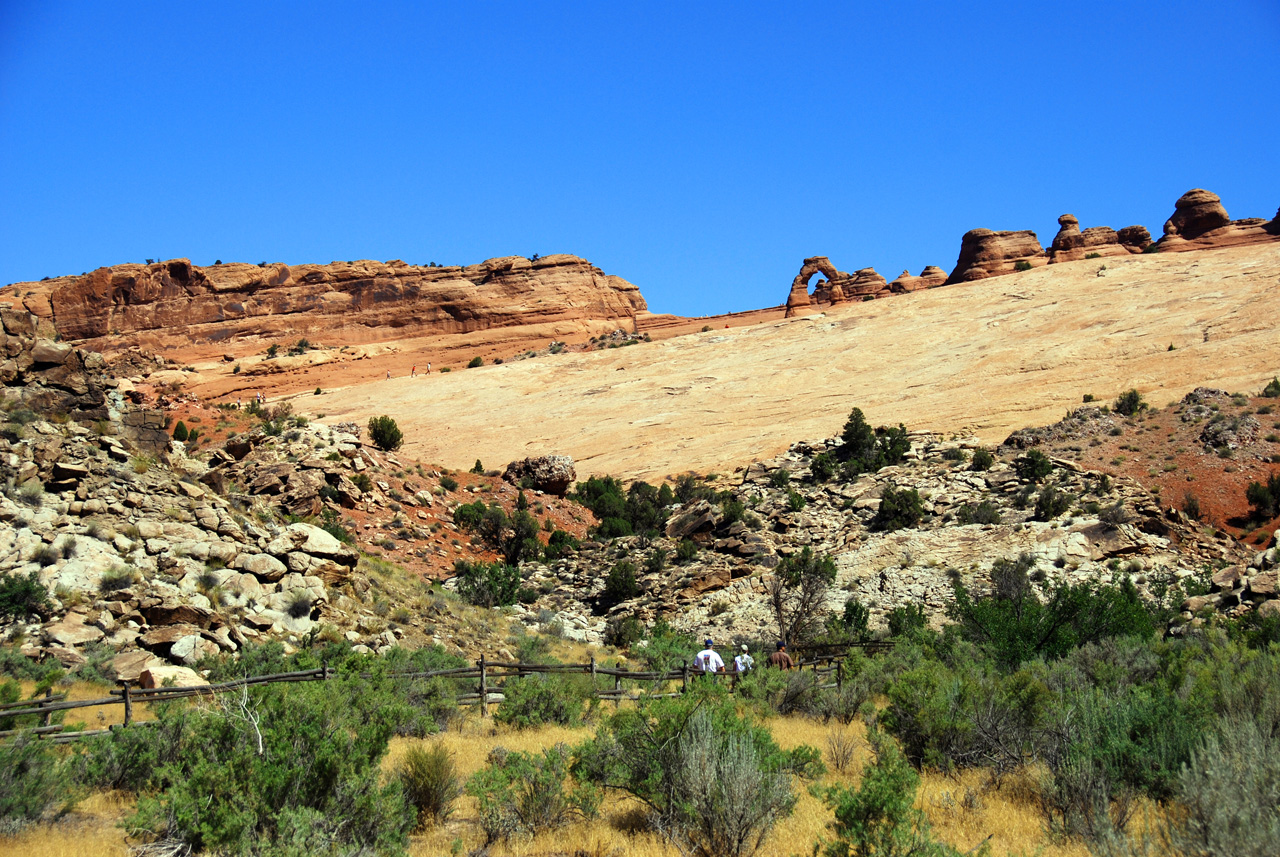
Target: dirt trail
{"points": [[986, 357]]}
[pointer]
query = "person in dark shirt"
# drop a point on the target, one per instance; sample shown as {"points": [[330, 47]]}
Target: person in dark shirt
{"points": [[780, 659]]}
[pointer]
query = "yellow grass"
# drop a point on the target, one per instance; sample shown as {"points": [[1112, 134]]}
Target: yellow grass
{"points": [[97, 717], [88, 831]]}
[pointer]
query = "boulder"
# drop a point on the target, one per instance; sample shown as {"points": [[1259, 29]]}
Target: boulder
{"points": [[552, 474], [128, 666], [931, 276], [985, 253], [1196, 212], [170, 677], [191, 648], [72, 631], [174, 613], [1070, 244], [261, 565], [50, 353]]}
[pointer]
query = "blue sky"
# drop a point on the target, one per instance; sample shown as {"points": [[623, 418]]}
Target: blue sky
{"points": [[700, 150]]}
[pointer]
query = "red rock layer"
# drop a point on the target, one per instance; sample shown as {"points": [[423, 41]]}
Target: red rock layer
{"points": [[373, 300]]}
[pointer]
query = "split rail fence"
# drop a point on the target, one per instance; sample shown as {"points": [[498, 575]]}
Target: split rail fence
{"points": [[824, 666]]}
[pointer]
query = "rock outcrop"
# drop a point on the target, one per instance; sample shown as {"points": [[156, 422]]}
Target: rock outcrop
{"points": [[176, 301], [986, 253], [931, 276], [1200, 221], [1072, 244], [551, 474]]}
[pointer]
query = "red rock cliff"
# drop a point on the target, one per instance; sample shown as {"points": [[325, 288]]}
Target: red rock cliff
{"points": [[367, 299]]}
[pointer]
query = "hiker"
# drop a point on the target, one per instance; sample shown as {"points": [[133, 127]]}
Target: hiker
{"points": [[708, 661], [388, 374], [428, 368], [744, 663], [413, 373], [780, 659]]}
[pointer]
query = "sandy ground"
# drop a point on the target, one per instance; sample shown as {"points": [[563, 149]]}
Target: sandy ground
{"points": [[985, 357]]}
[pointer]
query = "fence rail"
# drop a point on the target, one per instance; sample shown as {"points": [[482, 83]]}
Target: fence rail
{"points": [[823, 664]]}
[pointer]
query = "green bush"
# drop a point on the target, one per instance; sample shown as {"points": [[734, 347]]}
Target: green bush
{"points": [[448, 483], [900, 508], [983, 513], [469, 515], [880, 817], [797, 594], [362, 482], [1191, 505], [475, 363], [795, 501], [33, 782], [180, 431], [623, 632], [430, 782], [477, 468], [23, 595], [283, 769], [487, 584], [1264, 498], [384, 433], [1050, 503], [526, 793], [1129, 403], [982, 459], [1033, 466], [686, 551], [906, 619], [1022, 265], [1272, 390], [823, 467], [542, 698], [866, 450], [640, 509], [620, 584], [780, 477], [560, 544]]}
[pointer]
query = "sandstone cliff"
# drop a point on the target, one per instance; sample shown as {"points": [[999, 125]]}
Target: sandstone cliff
{"points": [[358, 301]]}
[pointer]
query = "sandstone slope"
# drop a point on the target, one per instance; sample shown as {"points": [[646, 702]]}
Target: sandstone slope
{"points": [[987, 357]]}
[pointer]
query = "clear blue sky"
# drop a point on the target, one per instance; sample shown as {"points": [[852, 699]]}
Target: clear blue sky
{"points": [[700, 150]]}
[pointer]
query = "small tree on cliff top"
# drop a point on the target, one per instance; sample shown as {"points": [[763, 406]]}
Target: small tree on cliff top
{"points": [[384, 433]]}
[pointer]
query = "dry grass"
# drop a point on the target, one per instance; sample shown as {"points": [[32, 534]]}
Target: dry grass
{"points": [[91, 829], [98, 717], [965, 810]]}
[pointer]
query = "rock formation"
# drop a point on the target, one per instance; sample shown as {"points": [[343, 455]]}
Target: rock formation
{"points": [[180, 302], [984, 253], [837, 287], [552, 474], [1200, 222], [866, 284], [1070, 244], [931, 276]]}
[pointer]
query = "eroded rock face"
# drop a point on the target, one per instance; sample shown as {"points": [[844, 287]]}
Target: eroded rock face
{"points": [[1200, 222], [552, 474], [1071, 244], [931, 276], [986, 253], [185, 302]]}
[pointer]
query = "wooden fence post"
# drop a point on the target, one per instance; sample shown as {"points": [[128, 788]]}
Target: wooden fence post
{"points": [[128, 704], [48, 698], [839, 676], [484, 689], [684, 677]]}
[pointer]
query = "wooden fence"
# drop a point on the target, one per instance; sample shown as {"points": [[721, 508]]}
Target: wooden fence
{"points": [[823, 665]]}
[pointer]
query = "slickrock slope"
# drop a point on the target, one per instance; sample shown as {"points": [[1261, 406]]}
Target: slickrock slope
{"points": [[177, 304], [988, 356]]}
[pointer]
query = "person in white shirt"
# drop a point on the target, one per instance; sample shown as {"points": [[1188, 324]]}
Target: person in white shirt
{"points": [[708, 660], [744, 663]]}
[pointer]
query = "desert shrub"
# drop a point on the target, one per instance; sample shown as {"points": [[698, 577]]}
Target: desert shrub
{"points": [[686, 551], [640, 509], [656, 562], [299, 604], [130, 759], [732, 510], [798, 594], [795, 501], [982, 459], [525, 793], [30, 493], [780, 477], [384, 433], [1022, 265], [1115, 515], [1033, 466], [866, 450], [116, 578], [487, 584], [180, 431], [475, 362], [23, 595], [823, 467], [983, 513], [900, 508], [1129, 403], [905, 619], [542, 698], [522, 541], [1272, 390], [33, 782], [283, 769], [1050, 503], [879, 817], [448, 483], [711, 779], [1264, 498], [362, 482], [430, 782], [560, 544], [620, 584], [623, 632], [666, 649], [469, 515], [45, 555]]}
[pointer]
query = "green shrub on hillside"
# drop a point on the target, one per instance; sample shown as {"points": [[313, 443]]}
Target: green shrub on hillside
{"points": [[1129, 403], [900, 508], [487, 584], [385, 434], [22, 596]]}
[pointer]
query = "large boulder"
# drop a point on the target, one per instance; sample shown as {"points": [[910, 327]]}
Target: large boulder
{"points": [[310, 539], [986, 253], [170, 677], [931, 276], [1196, 212], [553, 474]]}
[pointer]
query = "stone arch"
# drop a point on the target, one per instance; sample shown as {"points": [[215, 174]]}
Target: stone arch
{"points": [[828, 291]]}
